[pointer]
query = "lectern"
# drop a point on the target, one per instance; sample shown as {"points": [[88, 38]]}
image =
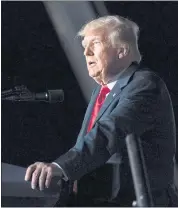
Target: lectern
{"points": [[16, 192]]}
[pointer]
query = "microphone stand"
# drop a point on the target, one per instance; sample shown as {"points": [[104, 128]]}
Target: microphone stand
{"points": [[18, 93], [21, 93], [139, 174]]}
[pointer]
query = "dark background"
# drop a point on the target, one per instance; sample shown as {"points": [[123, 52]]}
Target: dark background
{"points": [[33, 56]]}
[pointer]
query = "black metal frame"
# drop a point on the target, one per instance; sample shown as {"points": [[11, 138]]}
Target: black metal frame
{"points": [[139, 173]]}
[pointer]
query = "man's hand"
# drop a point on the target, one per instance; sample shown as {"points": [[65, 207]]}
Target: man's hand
{"points": [[40, 174]]}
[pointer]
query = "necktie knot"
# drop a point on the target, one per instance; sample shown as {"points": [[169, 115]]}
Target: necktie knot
{"points": [[104, 90], [102, 95]]}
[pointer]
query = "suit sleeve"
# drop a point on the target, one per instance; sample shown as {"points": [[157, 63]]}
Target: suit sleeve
{"points": [[135, 112]]}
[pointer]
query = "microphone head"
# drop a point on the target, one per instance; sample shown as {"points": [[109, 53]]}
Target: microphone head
{"points": [[56, 95]]}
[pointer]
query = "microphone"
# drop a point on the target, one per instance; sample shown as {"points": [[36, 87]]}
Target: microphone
{"points": [[51, 96], [21, 93]]}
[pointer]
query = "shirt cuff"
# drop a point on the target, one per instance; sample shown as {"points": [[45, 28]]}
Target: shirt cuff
{"points": [[65, 176]]}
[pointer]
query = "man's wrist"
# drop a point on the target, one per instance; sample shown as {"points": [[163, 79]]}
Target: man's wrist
{"points": [[65, 178]]}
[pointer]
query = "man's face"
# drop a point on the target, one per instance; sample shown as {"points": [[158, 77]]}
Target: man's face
{"points": [[100, 55]]}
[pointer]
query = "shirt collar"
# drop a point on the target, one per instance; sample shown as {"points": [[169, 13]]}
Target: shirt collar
{"points": [[111, 84]]}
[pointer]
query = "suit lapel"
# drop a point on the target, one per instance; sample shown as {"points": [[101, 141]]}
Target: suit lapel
{"points": [[115, 92]]}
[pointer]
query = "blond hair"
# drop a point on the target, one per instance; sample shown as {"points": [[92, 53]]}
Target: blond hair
{"points": [[122, 30]]}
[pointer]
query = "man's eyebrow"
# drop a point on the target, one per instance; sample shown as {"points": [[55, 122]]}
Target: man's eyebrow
{"points": [[84, 42]]}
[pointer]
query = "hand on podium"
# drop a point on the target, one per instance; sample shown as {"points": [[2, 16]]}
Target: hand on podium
{"points": [[42, 174]]}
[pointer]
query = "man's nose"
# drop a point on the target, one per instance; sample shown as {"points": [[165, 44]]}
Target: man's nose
{"points": [[88, 52]]}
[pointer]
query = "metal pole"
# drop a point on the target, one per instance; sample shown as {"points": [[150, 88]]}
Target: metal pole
{"points": [[138, 169]]}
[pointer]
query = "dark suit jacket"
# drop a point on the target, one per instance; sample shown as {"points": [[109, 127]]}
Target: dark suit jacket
{"points": [[139, 103]]}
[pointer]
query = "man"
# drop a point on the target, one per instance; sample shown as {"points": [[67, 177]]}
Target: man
{"points": [[129, 99]]}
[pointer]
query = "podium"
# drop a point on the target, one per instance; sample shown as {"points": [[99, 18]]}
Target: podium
{"points": [[16, 192]]}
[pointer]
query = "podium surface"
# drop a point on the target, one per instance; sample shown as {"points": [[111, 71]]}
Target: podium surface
{"points": [[13, 186]]}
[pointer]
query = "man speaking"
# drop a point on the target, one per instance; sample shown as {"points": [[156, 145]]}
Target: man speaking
{"points": [[129, 99]]}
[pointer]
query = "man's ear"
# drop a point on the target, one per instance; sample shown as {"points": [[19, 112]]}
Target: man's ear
{"points": [[123, 51]]}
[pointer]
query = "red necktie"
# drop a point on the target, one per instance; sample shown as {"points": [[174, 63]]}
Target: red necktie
{"points": [[99, 102]]}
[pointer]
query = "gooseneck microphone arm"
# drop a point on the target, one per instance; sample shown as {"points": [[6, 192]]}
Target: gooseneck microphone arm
{"points": [[21, 93]]}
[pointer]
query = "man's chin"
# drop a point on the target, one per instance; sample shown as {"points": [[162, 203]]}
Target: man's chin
{"points": [[94, 75]]}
